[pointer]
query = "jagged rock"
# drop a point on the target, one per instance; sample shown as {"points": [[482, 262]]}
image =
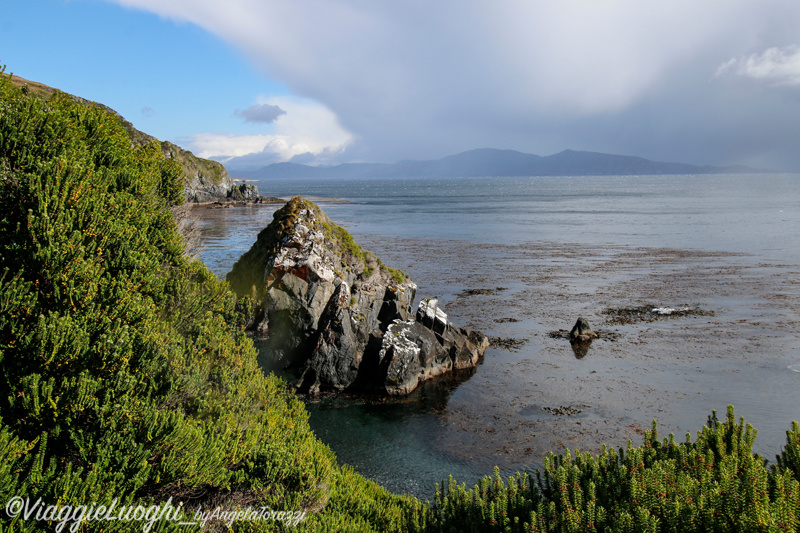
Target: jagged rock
{"points": [[581, 331], [207, 182], [416, 350], [410, 353], [341, 317]]}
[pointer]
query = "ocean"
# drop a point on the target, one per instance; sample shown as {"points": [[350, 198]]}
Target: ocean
{"points": [[521, 259]]}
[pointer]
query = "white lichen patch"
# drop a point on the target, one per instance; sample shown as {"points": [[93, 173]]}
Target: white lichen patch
{"points": [[407, 285], [398, 339], [344, 295], [429, 307], [304, 249]]}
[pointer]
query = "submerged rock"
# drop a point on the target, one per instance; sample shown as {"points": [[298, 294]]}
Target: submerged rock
{"points": [[340, 316]]}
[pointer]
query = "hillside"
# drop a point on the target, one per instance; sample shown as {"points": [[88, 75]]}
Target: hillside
{"points": [[489, 162], [127, 378], [204, 180]]}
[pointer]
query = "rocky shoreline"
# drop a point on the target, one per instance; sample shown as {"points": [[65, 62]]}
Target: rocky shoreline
{"points": [[219, 190], [231, 201]]}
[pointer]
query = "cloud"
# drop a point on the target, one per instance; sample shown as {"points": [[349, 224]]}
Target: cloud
{"points": [[304, 127], [209, 145], [418, 79], [778, 65], [260, 113]]}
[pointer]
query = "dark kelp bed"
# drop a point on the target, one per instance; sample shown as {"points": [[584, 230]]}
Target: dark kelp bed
{"points": [[733, 347]]}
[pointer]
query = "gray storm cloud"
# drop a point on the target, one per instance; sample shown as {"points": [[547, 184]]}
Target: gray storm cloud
{"points": [[416, 79], [260, 113]]}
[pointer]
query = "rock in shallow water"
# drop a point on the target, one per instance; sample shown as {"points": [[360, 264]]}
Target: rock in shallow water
{"points": [[342, 317], [582, 332]]}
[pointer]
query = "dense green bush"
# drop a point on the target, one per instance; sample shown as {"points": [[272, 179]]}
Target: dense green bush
{"points": [[714, 484]]}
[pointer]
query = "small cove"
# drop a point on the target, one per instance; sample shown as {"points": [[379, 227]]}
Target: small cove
{"points": [[562, 248]]}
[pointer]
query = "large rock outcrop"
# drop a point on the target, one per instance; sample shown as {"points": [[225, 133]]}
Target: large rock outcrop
{"points": [[338, 316], [207, 181]]}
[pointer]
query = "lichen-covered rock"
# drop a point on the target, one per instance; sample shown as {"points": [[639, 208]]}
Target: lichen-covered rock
{"points": [[410, 353], [335, 311], [464, 346], [415, 350]]}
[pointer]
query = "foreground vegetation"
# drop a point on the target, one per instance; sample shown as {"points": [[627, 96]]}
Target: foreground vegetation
{"points": [[716, 483], [125, 375]]}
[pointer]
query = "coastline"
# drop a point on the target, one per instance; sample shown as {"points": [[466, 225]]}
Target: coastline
{"points": [[531, 390], [262, 200], [538, 397], [229, 202]]}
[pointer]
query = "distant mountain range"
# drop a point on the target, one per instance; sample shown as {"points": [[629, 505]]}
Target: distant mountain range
{"points": [[491, 162]]}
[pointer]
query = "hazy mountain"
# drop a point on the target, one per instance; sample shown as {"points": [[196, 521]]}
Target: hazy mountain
{"points": [[491, 162]]}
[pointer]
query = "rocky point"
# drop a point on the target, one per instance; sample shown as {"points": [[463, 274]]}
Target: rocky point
{"points": [[339, 317]]}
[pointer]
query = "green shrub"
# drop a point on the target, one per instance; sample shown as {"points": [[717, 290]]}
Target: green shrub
{"points": [[713, 484]]}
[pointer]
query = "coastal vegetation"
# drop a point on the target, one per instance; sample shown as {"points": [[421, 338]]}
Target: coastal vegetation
{"points": [[126, 376], [125, 373], [716, 483]]}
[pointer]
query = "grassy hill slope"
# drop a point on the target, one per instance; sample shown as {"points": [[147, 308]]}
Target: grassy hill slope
{"points": [[197, 174]]}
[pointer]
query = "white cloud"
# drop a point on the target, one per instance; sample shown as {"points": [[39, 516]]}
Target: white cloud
{"points": [[304, 127], [578, 55], [778, 65], [209, 145]]}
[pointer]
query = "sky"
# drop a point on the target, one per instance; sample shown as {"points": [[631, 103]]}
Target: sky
{"points": [[254, 82]]}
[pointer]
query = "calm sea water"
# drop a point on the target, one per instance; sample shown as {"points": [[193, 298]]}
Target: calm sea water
{"points": [[392, 442], [752, 213], [749, 213]]}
